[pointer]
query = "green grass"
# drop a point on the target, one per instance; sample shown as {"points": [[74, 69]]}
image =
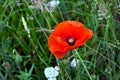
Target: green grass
{"points": [[24, 57]]}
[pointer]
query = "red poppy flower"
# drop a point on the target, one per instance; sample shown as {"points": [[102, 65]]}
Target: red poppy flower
{"points": [[66, 36]]}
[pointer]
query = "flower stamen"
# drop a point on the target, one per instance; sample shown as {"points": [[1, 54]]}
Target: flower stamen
{"points": [[71, 41]]}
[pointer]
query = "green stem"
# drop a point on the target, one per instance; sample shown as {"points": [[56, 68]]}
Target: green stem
{"points": [[83, 64]]}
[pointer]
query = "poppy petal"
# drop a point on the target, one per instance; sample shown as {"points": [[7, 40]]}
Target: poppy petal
{"points": [[86, 35], [57, 49]]}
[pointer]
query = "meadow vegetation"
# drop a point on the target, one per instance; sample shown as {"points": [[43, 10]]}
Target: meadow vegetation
{"points": [[24, 33]]}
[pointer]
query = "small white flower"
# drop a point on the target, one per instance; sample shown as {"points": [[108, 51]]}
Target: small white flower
{"points": [[44, 6], [57, 68], [52, 78], [103, 12], [53, 3], [51, 73], [37, 4], [74, 63]]}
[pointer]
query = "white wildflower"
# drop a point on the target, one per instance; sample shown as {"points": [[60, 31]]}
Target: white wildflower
{"points": [[25, 26], [44, 6], [74, 63], [52, 78], [57, 68], [53, 3], [103, 12], [51, 73], [37, 4]]}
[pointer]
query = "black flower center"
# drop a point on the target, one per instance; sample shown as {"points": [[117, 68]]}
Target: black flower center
{"points": [[71, 41]]}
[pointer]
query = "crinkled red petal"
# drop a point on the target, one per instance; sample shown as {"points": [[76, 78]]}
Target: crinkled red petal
{"points": [[68, 29]]}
